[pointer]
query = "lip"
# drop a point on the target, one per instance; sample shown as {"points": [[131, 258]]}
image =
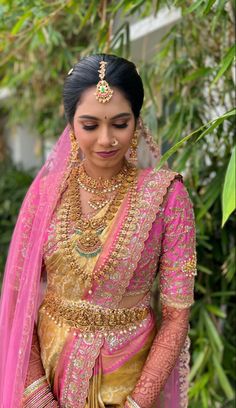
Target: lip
{"points": [[111, 153]]}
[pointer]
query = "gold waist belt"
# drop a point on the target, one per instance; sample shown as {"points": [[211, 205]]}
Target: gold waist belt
{"points": [[90, 318]]}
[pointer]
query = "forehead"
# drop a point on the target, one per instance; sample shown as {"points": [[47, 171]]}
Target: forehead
{"points": [[89, 105]]}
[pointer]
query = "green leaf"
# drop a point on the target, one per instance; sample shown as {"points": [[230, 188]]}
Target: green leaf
{"points": [[208, 7], [212, 124], [204, 269], [198, 363], [216, 311], [229, 195], [199, 73], [194, 6], [223, 380], [210, 194], [16, 28], [212, 332], [225, 64]]}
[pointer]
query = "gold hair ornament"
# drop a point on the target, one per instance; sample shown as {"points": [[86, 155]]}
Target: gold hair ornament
{"points": [[103, 92]]}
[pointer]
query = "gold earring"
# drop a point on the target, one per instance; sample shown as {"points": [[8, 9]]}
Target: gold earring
{"points": [[133, 148], [74, 156]]}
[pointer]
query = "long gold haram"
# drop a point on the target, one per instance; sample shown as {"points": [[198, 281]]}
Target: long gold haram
{"points": [[70, 212]]}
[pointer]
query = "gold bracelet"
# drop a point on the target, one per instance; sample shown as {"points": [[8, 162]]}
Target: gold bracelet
{"points": [[36, 384]]}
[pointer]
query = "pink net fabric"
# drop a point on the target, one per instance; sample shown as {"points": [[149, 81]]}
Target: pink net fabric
{"points": [[20, 292]]}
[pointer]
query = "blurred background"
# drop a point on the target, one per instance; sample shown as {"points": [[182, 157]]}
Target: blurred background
{"points": [[184, 52]]}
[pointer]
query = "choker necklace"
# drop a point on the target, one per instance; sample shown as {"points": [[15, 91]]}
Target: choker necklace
{"points": [[87, 230], [100, 187]]}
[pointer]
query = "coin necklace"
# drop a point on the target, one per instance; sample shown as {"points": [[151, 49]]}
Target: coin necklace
{"points": [[88, 243]]}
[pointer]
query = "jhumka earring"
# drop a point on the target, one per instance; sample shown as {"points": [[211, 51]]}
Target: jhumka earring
{"points": [[74, 153], [103, 92], [133, 148]]}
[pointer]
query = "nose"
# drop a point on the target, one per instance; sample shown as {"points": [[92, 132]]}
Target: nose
{"points": [[104, 137]]}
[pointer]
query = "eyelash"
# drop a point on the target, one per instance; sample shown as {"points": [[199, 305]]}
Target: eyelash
{"points": [[93, 127]]}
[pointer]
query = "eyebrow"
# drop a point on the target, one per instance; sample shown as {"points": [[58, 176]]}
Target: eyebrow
{"points": [[120, 115]]}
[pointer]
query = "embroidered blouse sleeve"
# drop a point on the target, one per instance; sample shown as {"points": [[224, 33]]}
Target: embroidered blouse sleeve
{"points": [[178, 259], [177, 270]]}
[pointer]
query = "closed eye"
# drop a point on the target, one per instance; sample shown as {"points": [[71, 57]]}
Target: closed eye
{"points": [[89, 127], [116, 125], [120, 126]]}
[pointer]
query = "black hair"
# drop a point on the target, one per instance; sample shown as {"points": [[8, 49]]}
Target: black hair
{"points": [[120, 73]]}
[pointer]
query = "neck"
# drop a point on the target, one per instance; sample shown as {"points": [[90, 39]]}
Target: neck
{"points": [[103, 172]]}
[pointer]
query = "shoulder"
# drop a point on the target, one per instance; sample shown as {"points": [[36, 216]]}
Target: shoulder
{"points": [[167, 183], [160, 179]]}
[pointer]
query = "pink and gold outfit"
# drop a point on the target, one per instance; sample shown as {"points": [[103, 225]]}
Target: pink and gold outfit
{"points": [[100, 345]]}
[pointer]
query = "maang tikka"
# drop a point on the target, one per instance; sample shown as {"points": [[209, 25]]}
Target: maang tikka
{"points": [[103, 92]]}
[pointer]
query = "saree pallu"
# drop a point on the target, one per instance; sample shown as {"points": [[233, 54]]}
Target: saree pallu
{"points": [[96, 367]]}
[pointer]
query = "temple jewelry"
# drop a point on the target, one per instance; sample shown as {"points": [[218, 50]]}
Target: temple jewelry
{"points": [[86, 231], [74, 156], [132, 403], [100, 187], [133, 148], [87, 317], [103, 92], [114, 143]]}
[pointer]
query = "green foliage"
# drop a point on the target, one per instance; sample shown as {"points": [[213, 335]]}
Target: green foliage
{"points": [[229, 196], [192, 74]]}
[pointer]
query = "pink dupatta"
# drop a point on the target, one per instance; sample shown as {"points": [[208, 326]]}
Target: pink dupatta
{"points": [[21, 285]]}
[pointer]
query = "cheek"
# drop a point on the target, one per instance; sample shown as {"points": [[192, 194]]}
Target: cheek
{"points": [[83, 138], [125, 139]]}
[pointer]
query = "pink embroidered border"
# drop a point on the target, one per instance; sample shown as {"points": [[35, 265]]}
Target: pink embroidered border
{"points": [[150, 197], [81, 361]]}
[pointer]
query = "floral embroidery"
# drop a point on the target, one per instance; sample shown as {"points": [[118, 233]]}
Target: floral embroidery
{"points": [[178, 258], [82, 359], [140, 218]]}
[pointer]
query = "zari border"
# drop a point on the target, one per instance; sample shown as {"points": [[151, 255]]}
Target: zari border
{"points": [[141, 216], [81, 361], [184, 359]]}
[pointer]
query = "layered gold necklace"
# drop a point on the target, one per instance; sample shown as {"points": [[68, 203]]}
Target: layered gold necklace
{"points": [[88, 229], [99, 187]]}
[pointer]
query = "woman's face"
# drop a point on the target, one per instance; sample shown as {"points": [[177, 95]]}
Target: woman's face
{"points": [[97, 126]]}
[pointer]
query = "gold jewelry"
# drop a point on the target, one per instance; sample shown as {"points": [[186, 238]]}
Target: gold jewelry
{"points": [[90, 318], [87, 231], [133, 148], [114, 143], [103, 92], [100, 187], [33, 386], [74, 153]]}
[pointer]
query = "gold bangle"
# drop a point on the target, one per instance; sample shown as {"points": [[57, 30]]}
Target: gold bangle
{"points": [[36, 384]]}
